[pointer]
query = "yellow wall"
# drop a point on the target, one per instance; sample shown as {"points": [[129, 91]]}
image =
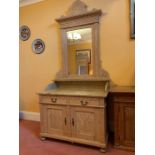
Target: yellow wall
{"points": [[37, 71]]}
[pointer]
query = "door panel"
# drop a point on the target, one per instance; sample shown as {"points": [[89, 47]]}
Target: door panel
{"points": [[83, 122], [128, 125], [57, 120]]}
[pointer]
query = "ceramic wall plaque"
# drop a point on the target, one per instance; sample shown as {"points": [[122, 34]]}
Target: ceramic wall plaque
{"points": [[38, 46], [24, 33]]}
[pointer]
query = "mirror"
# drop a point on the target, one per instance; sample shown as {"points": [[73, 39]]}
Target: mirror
{"points": [[79, 45]]}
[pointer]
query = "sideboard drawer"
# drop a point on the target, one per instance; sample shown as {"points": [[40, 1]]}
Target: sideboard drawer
{"points": [[51, 99], [123, 98], [86, 101]]}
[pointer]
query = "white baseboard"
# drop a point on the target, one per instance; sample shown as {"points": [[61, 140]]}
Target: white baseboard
{"points": [[33, 116]]}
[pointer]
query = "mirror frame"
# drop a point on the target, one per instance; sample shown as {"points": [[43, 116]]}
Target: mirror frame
{"points": [[88, 19]]}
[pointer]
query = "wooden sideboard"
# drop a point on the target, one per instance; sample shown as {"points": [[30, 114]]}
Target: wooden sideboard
{"points": [[75, 109], [75, 115], [121, 116]]}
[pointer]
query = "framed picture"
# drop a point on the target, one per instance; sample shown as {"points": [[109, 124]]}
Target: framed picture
{"points": [[38, 46], [24, 33], [132, 19], [83, 54]]}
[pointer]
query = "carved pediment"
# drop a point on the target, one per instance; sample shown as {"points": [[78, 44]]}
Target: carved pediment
{"points": [[79, 10], [78, 7]]}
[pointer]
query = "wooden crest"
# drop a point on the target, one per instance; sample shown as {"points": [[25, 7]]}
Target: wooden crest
{"points": [[78, 7]]}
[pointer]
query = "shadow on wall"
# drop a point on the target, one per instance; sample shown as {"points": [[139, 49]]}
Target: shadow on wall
{"points": [[51, 86]]}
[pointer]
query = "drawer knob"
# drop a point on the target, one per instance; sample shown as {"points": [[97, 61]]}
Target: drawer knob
{"points": [[54, 100]]}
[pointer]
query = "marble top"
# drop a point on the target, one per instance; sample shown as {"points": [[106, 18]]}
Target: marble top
{"points": [[69, 92]]}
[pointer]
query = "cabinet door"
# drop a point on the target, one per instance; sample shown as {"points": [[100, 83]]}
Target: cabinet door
{"points": [[127, 124], [87, 124], [56, 120]]}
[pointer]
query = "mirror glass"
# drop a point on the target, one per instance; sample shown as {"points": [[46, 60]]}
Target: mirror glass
{"points": [[79, 43]]}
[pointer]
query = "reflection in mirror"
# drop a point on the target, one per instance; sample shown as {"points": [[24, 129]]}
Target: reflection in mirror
{"points": [[79, 44]]}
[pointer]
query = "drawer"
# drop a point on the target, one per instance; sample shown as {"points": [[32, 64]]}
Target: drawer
{"points": [[124, 98], [51, 99], [87, 101]]}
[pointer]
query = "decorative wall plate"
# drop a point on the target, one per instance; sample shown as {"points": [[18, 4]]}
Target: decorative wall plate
{"points": [[38, 46], [24, 33]]}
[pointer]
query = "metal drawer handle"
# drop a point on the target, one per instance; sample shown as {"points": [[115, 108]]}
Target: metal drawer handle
{"points": [[72, 121], [53, 100], [65, 121], [84, 103]]}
